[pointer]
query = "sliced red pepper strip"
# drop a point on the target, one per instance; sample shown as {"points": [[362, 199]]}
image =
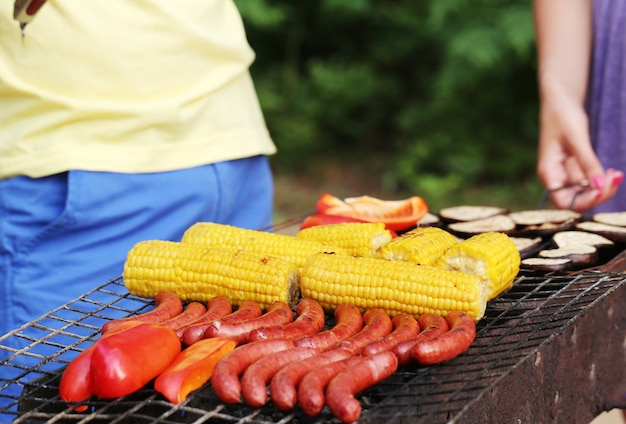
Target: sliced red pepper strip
{"points": [[192, 368], [124, 362], [397, 215]]}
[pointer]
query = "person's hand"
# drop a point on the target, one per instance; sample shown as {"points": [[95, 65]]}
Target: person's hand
{"points": [[566, 156]]}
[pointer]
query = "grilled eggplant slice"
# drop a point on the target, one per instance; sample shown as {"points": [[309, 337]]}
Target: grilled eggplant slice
{"points": [[470, 213], [610, 218], [544, 216], [547, 264], [527, 246], [498, 223], [574, 238], [429, 220], [612, 232], [581, 255]]}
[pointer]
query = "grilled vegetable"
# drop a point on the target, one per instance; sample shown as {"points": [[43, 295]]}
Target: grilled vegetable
{"points": [[422, 245], [612, 232], [572, 238], [197, 273], [581, 255], [192, 368], [470, 212], [394, 286], [527, 246], [398, 215], [325, 219], [124, 362], [611, 218], [498, 223], [547, 264], [76, 385], [355, 238], [289, 248], [491, 256]]}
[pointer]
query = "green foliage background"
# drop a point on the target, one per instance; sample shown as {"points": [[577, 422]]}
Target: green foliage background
{"points": [[440, 94]]}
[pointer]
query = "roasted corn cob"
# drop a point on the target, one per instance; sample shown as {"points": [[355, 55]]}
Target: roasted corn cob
{"points": [[491, 256], [289, 248], [422, 245], [197, 273], [355, 238], [394, 286]]}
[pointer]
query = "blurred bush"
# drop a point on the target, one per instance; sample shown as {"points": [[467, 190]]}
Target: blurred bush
{"points": [[443, 92]]}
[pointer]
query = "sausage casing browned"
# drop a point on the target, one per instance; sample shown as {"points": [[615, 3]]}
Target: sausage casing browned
{"points": [[366, 372], [348, 322], [168, 305], [432, 324], [225, 379], [310, 319], [405, 327], [449, 344]]}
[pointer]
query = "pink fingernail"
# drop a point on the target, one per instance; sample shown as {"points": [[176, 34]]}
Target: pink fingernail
{"points": [[598, 182], [598, 195], [617, 180]]}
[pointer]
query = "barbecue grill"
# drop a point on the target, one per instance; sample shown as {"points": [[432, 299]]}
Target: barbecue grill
{"points": [[550, 349]]}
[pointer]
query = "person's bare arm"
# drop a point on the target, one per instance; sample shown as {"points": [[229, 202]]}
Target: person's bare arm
{"points": [[564, 39]]}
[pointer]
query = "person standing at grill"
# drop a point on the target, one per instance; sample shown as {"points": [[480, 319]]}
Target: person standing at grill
{"points": [[582, 55], [120, 121]]}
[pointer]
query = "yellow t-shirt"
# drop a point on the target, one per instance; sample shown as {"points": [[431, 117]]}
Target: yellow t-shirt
{"points": [[126, 86]]}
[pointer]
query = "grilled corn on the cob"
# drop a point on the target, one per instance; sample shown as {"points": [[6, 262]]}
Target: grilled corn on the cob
{"points": [[491, 256], [422, 245], [289, 248], [197, 273], [394, 286], [355, 238]]}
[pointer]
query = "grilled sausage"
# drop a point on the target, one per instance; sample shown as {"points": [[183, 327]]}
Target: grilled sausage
{"points": [[278, 313], [225, 379], [247, 310], [257, 376], [366, 372], [168, 305], [433, 325], [377, 324], [217, 307], [449, 344], [284, 384], [309, 320], [312, 387], [405, 327], [348, 322], [192, 312]]}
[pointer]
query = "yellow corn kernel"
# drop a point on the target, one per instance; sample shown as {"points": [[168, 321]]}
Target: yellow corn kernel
{"points": [[197, 273], [355, 238], [491, 256], [422, 245], [289, 248], [394, 286]]}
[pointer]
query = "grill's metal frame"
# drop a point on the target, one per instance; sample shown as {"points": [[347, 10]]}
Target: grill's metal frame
{"points": [[549, 349]]}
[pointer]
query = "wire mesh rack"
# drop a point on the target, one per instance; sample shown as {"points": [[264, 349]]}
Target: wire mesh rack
{"points": [[534, 311]]}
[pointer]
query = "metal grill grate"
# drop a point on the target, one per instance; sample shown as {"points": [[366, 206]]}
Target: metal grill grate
{"points": [[534, 311]]}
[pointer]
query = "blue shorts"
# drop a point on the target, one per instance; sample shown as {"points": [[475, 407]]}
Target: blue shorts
{"points": [[63, 235]]}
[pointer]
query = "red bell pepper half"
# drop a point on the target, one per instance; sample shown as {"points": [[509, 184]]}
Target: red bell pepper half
{"points": [[398, 215], [192, 368], [75, 385], [124, 362]]}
